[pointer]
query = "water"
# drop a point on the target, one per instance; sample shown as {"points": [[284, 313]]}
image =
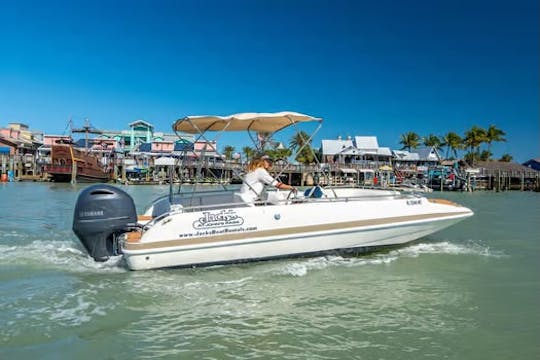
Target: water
{"points": [[469, 292]]}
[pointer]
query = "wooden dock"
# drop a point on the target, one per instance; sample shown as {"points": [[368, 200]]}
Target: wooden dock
{"points": [[500, 176]]}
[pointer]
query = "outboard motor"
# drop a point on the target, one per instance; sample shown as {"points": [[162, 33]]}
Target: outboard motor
{"points": [[101, 213]]}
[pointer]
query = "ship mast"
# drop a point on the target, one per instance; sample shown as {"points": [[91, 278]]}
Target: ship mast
{"points": [[86, 129]]}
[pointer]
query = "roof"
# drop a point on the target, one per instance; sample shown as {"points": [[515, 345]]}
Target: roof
{"points": [[404, 155], [142, 122], [351, 150], [503, 166], [533, 164], [429, 154], [366, 142], [145, 147], [333, 147], [259, 122], [183, 146], [384, 151]]}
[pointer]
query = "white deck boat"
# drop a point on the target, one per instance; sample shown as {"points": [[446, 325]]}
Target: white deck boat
{"points": [[200, 228]]}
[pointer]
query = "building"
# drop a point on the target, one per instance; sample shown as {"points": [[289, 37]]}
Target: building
{"points": [[533, 164], [362, 151], [23, 144], [408, 163]]}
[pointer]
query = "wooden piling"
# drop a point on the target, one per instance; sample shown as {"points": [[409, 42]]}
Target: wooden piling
{"points": [[74, 172]]}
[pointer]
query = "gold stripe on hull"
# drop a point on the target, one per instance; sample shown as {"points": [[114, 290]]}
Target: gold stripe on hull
{"points": [[344, 226]]}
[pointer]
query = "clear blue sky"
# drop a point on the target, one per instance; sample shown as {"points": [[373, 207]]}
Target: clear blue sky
{"points": [[367, 67]]}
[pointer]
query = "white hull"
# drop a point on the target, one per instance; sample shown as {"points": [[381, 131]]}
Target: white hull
{"points": [[263, 232]]}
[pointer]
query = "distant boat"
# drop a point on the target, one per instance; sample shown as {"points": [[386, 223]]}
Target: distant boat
{"points": [[88, 166]]}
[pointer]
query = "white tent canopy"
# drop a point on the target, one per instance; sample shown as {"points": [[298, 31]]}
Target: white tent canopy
{"points": [[165, 161], [258, 122]]}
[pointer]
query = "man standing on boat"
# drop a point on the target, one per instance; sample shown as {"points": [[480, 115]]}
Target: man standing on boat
{"points": [[257, 177]]}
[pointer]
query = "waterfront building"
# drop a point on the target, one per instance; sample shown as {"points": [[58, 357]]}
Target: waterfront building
{"points": [[23, 144], [357, 160], [533, 164], [7, 147], [409, 164], [362, 151]]}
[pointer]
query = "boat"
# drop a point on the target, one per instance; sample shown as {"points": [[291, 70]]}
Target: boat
{"points": [[68, 161], [207, 227]]}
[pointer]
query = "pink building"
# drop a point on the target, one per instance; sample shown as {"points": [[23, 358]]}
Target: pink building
{"points": [[163, 146]]}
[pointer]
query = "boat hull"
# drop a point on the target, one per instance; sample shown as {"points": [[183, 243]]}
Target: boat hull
{"points": [[88, 167], [277, 233]]}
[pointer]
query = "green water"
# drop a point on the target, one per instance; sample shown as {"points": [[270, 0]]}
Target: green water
{"points": [[469, 292]]}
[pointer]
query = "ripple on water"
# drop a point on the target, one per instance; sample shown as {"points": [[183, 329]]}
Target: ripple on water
{"points": [[272, 309]]}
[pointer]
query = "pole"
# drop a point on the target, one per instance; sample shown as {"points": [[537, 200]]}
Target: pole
{"points": [[74, 172]]}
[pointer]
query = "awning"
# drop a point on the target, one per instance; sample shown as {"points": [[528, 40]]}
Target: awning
{"points": [[258, 122], [348, 171], [165, 161]]}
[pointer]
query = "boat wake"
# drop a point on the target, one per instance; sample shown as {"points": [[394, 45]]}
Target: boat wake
{"points": [[303, 266], [70, 256], [66, 255], [445, 247]]}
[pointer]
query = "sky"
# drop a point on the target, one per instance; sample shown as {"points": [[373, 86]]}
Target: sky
{"points": [[368, 68]]}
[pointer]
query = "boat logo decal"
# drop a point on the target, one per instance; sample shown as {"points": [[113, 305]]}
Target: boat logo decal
{"points": [[219, 219], [414, 202]]}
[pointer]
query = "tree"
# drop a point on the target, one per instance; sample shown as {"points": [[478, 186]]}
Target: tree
{"points": [[409, 140], [493, 134], [506, 158], [473, 139], [432, 141], [228, 151], [301, 143], [248, 152], [485, 155], [453, 142], [277, 154]]}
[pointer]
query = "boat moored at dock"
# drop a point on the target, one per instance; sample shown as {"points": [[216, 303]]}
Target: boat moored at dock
{"points": [[72, 164]]}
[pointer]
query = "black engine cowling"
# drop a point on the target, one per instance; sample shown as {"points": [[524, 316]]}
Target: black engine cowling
{"points": [[101, 213]]}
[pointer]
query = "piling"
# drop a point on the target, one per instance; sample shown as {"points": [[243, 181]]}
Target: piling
{"points": [[74, 172]]}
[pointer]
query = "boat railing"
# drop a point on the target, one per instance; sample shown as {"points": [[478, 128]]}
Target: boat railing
{"points": [[221, 200]]}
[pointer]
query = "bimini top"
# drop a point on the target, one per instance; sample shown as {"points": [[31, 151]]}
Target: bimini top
{"points": [[258, 122]]}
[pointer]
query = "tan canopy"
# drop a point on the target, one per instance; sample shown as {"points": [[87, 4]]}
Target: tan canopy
{"points": [[258, 122]]}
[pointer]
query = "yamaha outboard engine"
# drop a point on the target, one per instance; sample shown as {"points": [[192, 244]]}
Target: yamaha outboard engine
{"points": [[102, 212]]}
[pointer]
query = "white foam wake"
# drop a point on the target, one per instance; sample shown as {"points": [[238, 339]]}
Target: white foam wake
{"points": [[303, 266], [64, 254]]}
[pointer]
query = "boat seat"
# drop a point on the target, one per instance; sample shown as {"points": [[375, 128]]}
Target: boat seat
{"points": [[314, 192]]}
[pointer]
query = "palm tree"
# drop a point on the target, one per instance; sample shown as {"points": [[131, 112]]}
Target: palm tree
{"points": [[299, 139], [473, 139], [453, 142], [228, 151], [248, 152], [301, 143], [485, 155], [506, 158], [494, 134], [432, 141], [409, 140], [277, 154]]}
